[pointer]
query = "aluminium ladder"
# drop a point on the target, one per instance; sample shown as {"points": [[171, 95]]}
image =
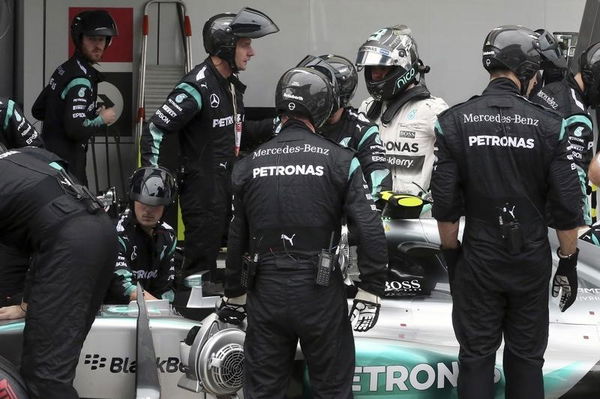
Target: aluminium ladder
{"points": [[156, 81]]}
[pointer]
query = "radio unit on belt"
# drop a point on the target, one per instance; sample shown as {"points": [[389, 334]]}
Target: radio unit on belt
{"points": [[249, 271], [510, 229], [80, 192], [325, 265]]}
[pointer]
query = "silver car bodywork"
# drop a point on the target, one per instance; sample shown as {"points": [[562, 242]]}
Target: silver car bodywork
{"points": [[411, 352]]}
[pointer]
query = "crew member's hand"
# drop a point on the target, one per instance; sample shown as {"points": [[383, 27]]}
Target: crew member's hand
{"points": [[12, 312], [450, 256], [365, 311], [232, 310], [565, 278], [108, 115], [147, 296]]}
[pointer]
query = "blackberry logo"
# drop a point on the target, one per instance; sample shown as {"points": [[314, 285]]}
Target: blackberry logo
{"points": [[96, 361]]}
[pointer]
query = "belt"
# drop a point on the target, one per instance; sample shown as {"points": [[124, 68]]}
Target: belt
{"points": [[292, 239], [486, 210]]}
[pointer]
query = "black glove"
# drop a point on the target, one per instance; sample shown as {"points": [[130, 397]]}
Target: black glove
{"points": [[365, 310], [232, 310], [565, 278], [450, 256]]}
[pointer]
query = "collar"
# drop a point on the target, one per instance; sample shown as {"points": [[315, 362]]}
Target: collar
{"points": [[328, 129], [570, 79], [225, 82], [416, 92], [93, 72], [291, 122], [501, 85]]}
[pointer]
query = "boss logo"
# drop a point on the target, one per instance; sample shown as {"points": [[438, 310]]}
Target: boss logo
{"points": [[405, 285]]}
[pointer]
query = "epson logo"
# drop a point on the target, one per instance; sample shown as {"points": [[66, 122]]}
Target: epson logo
{"points": [[125, 365]]}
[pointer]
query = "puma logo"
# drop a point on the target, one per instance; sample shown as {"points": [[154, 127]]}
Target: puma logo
{"points": [[290, 239], [223, 165]]}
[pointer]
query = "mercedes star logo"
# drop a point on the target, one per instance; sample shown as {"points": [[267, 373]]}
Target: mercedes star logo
{"points": [[214, 100]]}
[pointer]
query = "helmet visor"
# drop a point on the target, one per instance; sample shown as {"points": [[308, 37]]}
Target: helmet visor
{"points": [[100, 32], [310, 61], [252, 24], [152, 186], [371, 56], [550, 50]]}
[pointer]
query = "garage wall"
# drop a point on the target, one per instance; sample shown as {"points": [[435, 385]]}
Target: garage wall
{"points": [[449, 34]]}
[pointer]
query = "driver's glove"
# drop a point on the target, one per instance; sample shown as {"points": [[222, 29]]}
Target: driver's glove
{"points": [[365, 311], [232, 310], [565, 278]]}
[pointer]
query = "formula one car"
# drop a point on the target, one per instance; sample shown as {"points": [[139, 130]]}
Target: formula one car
{"points": [[411, 353]]}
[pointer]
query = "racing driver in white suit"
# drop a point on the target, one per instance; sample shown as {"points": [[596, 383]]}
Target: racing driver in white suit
{"points": [[401, 105]]}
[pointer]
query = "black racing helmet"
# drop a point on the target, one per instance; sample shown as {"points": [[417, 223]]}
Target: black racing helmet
{"points": [[310, 61], [554, 62], [222, 31], [152, 185], [345, 74], [393, 47], [552, 55], [589, 66], [93, 23], [514, 48], [305, 92]]}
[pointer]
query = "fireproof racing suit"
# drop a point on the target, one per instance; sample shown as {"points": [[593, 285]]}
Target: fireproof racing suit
{"points": [[145, 259], [201, 109], [290, 195], [74, 251], [406, 129], [67, 105], [355, 131], [566, 98], [499, 155], [15, 131]]}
